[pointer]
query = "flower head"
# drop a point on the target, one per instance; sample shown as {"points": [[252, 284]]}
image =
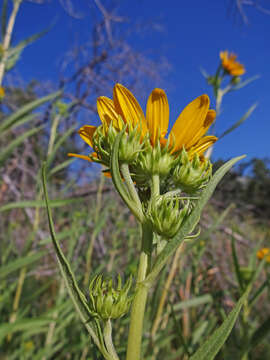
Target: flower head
{"points": [[124, 110], [2, 92], [264, 253], [230, 65], [108, 301]]}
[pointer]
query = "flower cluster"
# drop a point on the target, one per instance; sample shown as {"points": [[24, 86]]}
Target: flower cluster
{"points": [[176, 158], [144, 145]]}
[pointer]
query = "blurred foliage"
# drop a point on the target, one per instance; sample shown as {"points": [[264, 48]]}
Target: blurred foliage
{"points": [[247, 186]]}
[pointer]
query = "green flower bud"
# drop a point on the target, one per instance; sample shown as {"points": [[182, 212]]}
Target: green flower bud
{"points": [[129, 147], [191, 175], [166, 215], [235, 80], [106, 302], [155, 160]]}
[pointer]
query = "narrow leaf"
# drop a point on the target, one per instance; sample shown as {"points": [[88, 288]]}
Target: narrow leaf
{"points": [[39, 203], [211, 347], [239, 122], [75, 293], [244, 83], [5, 153], [236, 263], [11, 119], [116, 176], [19, 263]]}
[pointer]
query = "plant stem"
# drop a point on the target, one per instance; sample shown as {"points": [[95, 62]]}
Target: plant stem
{"points": [[107, 332], [139, 302], [7, 38]]}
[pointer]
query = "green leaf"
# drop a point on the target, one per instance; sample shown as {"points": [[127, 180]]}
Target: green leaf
{"points": [[239, 122], [244, 83], [26, 109], [19, 263], [14, 53], [23, 325], [191, 221], [116, 176], [211, 347], [75, 293], [5, 153], [22, 121], [61, 166], [39, 203], [194, 302], [236, 263]]}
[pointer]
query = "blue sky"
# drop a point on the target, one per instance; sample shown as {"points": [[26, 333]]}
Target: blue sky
{"points": [[193, 33]]}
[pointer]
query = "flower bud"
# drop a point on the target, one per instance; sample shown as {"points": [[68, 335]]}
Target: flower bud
{"points": [[191, 174], [155, 160], [129, 147], [235, 80], [107, 302], [166, 215]]}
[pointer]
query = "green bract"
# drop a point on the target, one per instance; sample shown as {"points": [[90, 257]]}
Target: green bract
{"points": [[107, 302], [166, 215], [191, 174]]}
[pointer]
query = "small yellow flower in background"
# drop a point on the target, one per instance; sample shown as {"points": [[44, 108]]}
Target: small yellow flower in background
{"points": [[229, 64], [188, 130], [264, 253], [28, 345], [2, 92]]}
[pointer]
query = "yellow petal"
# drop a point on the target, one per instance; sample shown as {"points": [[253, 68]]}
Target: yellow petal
{"points": [[128, 107], [86, 132], [157, 114], [84, 157], [106, 111], [203, 144], [208, 121], [190, 121]]}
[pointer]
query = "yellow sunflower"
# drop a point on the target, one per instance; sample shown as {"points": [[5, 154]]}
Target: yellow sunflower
{"points": [[229, 63], [264, 253], [188, 130]]}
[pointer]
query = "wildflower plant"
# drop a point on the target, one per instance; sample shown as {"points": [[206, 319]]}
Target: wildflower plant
{"points": [[227, 78], [165, 181]]}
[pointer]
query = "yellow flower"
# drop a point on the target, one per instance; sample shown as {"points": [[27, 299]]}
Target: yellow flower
{"points": [[229, 63], [188, 130], [28, 345], [2, 92], [264, 253]]}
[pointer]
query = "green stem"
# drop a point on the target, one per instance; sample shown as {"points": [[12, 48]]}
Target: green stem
{"points": [[139, 302], [107, 332]]}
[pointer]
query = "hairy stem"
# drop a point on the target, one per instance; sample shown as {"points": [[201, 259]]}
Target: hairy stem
{"points": [[139, 302], [107, 332]]}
